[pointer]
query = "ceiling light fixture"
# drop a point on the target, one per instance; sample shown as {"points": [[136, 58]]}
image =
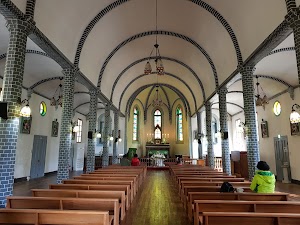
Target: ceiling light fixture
{"points": [[157, 102], [158, 62], [25, 110], [57, 99], [260, 101]]}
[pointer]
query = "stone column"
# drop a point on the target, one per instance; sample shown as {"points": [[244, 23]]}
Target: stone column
{"points": [[66, 126], [210, 150], [293, 19], [90, 162], [11, 93], [105, 157], [116, 134], [125, 134], [224, 129], [200, 153], [250, 118]]}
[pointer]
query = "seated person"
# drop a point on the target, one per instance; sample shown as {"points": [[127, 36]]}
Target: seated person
{"points": [[264, 180], [135, 161], [125, 161]]}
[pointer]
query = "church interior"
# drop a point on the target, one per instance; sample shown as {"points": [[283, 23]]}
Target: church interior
{"points": [[198, 92]]}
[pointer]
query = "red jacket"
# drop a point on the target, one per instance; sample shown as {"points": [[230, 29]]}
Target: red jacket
{"points": [[135, 162]]}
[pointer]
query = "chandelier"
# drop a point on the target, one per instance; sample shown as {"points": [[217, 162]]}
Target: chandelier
{"points": [[260, 101], [158, 62], [157, 102], [57, 99]]}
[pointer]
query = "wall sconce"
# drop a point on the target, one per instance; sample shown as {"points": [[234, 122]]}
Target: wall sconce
{"points": [[25, 110], [98, 134], [294, 116], [111, 138], [75, 127]]}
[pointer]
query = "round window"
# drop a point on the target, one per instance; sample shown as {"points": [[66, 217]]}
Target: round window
{"points": [[277, 108], [43, 108]]}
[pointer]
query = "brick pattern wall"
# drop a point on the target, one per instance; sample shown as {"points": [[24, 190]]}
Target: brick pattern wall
{"points": [[12, 90], [224, 128], [116, 133], [200, 152], [250, 118], [293, 19], [30, 5], [105, 157], [210, 150], [92, 126], [290, 5], [66, 127]]}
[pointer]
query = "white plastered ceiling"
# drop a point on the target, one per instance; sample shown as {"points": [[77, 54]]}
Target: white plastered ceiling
{"points": [[64, 21]]}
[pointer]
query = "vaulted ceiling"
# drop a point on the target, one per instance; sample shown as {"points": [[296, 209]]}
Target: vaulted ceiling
{"points": [[201, 42]]}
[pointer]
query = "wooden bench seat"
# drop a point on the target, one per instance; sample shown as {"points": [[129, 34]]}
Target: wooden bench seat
{"points": [[221, 218], [117, 177], [97, 185], [110, 205], [246, 196], [61, 217], [53, 193], [207, 179], [243, 206]]}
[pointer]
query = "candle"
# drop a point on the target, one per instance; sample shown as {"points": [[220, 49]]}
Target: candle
{"points": [[168, 135], [147, 135]]}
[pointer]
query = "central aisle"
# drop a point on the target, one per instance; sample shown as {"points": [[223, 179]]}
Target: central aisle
{"points": [[157, 203]]}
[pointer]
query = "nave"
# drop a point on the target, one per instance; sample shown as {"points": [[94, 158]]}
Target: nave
{"points": [[157, 202]]}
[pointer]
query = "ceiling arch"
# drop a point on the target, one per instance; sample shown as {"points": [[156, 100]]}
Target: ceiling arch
{"points": [[133, 96], [159, 32], [229, 103], [167, 74], [164, 58]]}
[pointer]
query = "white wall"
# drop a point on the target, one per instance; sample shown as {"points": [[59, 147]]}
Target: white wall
{"points": [[238, 140], [41, 125], [280, 125]]}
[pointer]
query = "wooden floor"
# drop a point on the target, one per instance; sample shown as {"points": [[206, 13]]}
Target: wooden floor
{"points": [[157, 202]]}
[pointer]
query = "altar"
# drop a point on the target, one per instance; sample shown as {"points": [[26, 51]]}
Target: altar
{"points": [[152, 149]]}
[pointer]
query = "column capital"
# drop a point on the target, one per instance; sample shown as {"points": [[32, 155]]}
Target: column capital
{"points": [[93, 91], [246, 69], [223, 90], [71, 70], [13, 24], [207, 104], [293, 17]]}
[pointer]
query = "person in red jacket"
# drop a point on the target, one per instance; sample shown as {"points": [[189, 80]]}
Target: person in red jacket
{"points": [[135, 160]]}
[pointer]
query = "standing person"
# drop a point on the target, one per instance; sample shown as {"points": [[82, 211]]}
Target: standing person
{"points": [[125, 161], [264, 179], [135, 160]]}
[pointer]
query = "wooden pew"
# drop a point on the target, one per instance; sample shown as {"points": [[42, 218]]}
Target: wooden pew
{"points": [[83, 194], [243, 206], [62, 217], [188, 189], [207, 179], [100, 183], [221, 218], [144, 168], [117, 177], [110, 205], [126, 173], [246, 196], [97, 187]]}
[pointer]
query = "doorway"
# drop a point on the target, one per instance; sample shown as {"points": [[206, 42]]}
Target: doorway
{"points": [[38, 156], [281, 156]]}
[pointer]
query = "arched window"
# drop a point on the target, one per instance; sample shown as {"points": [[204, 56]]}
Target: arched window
{"points": [[157, 124], [135, 133], [179, 128]]}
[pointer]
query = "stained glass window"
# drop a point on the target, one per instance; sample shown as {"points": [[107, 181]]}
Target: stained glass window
{"points": [[157, 124], [43, 109], [135, 124], [179, 127]]}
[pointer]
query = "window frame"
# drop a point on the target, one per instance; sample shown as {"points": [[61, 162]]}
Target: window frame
{"points": [[79, 133], [178, 141], [137, 115], [160, 127]]}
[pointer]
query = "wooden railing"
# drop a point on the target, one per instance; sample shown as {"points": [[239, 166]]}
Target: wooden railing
{"points": [[158, 162], [218, 164]]}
